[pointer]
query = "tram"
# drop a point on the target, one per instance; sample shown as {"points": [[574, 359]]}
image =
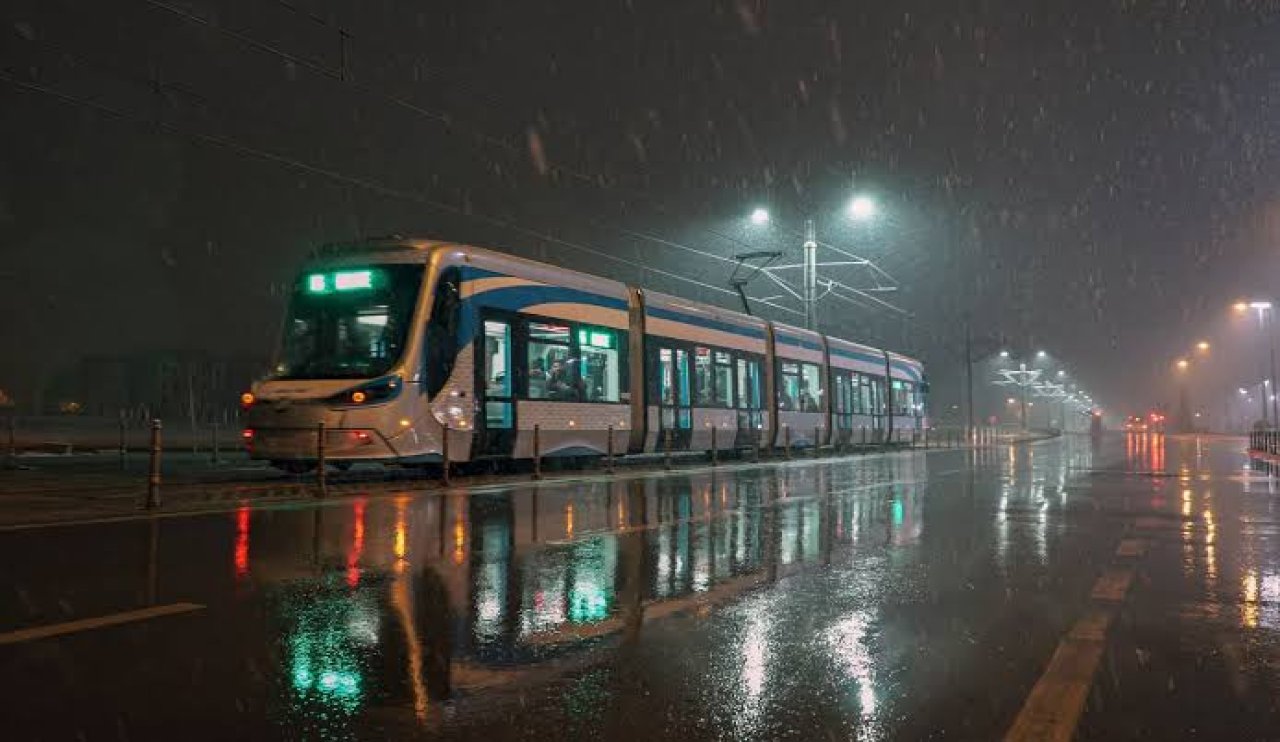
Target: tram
{"points": [[395, 343]]}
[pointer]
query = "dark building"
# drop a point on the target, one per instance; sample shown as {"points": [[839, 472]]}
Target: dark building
{"points": [[170, 384]]}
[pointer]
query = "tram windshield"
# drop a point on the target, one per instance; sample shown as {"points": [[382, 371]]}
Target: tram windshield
{"points": [[348, 323]]}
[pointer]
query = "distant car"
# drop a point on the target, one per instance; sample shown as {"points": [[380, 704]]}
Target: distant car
{"points": [[1135, 424]]}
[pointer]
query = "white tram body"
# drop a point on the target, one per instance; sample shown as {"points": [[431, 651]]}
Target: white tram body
{"points": [[389, 343]]}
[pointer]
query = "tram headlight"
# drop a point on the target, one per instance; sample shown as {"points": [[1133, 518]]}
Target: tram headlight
{"points": [[379, 390]]}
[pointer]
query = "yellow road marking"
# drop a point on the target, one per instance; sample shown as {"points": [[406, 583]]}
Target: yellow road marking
{"points": [[99, 622], [1052, 710], [1091, 628], [1057, 700], [1112, 585]]}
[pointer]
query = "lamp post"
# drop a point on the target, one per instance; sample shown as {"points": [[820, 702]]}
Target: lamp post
{"points": [[1262, 309], [860, 209]]}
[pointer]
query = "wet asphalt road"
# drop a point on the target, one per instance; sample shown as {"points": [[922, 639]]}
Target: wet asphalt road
{"points": [[904, 596]]}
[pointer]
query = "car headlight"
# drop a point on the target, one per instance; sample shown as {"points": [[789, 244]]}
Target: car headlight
{"points": [[379, 390]]}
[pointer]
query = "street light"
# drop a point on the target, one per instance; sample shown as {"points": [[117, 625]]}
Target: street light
{"points": [[1182, 364], [1203, 346], [1263, 308], [862, 208], [1004, 354], [1041, 354]]}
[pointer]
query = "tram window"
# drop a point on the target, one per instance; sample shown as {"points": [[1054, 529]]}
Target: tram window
{"points": [[666, 376], [497, 353], [601, 364], [553, 372], [704, 384], [903, 392], [811, 390], [723, 374], [789, 386], [842, 393], [682, 378], [442, 331], [748, 384], [867, 402]]}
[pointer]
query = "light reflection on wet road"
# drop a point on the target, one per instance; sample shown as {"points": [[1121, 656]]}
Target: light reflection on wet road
{"points": [[900, 596]]}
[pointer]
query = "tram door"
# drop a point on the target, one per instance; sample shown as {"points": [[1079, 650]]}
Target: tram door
{"points": [[496, 423], [750, 412], [675, 402]]}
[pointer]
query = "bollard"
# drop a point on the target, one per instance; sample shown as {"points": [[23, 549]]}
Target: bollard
{"points": [[608, 461], [537, 451], [444, 455], [786, 437], [153, 477], [123, 450], [321, 480], [666, 449], [213, 443], [715, 456]]}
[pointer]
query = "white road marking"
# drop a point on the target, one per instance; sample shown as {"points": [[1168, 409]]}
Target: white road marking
{"points": [[99, 622]]}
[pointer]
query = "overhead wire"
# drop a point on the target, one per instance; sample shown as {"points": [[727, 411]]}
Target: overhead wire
{"points": [[357, 181], [450, 123]]}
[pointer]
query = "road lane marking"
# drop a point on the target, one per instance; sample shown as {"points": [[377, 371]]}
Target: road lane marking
{"points": [[1131, 547], [1093, 627], [1053, 709], [1056, 702], [1112, 585], [99, 622]]}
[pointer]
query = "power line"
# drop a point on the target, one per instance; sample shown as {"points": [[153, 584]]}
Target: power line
{"points": [[448, 122], [137, 78], [360, 182]]}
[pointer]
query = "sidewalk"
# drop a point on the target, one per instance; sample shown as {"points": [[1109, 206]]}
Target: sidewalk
{"points": [[49, 489]]}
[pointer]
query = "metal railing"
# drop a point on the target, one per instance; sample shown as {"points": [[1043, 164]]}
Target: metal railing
{"points": [[1265, 441]]}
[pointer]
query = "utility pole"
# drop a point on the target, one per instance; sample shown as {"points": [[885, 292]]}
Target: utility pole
{"points": [[1022, 397], [968, 365], [1275, 409], [811, 276]]}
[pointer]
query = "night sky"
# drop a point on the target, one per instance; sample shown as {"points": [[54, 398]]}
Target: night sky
{"points": [[1095, 178]]}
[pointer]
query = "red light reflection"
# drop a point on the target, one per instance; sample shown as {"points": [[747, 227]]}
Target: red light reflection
{"points": [[357, 545], [242, 541]]}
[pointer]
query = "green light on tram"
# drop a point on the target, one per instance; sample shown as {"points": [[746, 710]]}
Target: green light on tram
{"points": [[595, 339], [353, 280], [323, 283]]}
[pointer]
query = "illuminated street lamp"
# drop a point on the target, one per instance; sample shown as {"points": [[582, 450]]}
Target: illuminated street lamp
{"points": [[1041, 354], [1182, 364], [1203, 346], [1263, 308], [862, 208], [1004, 354]]}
